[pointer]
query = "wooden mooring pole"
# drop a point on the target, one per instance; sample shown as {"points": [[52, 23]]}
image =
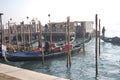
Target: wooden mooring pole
{"points": [[84, 38], [9, 32], [40, 27], [96, 44], [68, 41], [29, 37], [1, 28], [16, 32], [23, 35], [66, 34], [3, 35], [99, 34], [31, 27]]}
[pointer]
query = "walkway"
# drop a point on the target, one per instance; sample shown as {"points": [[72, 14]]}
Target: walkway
{"points": [[14, 73]]}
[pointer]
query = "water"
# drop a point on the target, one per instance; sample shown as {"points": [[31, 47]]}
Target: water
{"points": [[83, 64]]}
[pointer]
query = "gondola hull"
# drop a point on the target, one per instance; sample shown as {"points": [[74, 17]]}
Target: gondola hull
{"points": [[37, 56], [113, 40]]}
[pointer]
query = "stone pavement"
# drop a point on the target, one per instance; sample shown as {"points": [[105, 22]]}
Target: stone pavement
{"points": [[8, 72]]}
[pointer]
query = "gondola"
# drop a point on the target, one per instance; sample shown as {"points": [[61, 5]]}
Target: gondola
{"points": [[37, 55], [113, 40]]}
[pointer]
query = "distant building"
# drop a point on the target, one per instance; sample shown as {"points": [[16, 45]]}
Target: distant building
{"points": [[59, 29], [76, 27]]}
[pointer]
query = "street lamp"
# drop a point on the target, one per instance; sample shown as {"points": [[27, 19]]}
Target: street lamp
{"points": [[50, 30], [10, 19], [27, 17], [49, 17]]}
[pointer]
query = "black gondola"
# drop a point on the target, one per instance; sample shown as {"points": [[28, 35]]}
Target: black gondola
{"points": [[113, 40], [37, 55]]}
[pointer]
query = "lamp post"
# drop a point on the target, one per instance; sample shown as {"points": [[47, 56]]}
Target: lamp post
{"points": [[29, 33], [27, 19], [50, 30], [49, 17], [10, 19]]}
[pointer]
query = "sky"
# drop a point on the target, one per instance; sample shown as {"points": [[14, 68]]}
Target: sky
{"points": [[59, 10]]}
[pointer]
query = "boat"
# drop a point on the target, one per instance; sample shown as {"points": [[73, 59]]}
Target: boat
{"points": [[37, 54], [113, 40]]}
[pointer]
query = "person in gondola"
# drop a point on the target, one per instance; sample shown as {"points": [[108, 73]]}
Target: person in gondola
{"points": [[46, 46], [103, 31]]}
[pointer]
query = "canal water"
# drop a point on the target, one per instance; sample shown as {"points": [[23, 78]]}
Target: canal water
{"points": [[83, 64]]}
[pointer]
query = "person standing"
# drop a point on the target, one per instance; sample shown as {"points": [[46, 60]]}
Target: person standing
{"points": [[103, 31], [46, 46]]}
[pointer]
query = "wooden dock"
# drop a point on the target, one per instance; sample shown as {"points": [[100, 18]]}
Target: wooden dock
{"points": [[8, 72]]}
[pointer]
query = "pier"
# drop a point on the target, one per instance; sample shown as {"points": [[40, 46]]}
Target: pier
{"points": [[8, 72]]}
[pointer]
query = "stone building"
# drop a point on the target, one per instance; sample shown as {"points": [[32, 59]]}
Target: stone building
{"points": [[76, 27], [58, 29]]}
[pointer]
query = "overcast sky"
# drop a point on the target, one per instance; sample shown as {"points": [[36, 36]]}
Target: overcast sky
{"points": [[78, 10]]}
